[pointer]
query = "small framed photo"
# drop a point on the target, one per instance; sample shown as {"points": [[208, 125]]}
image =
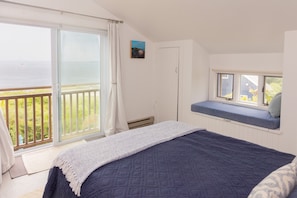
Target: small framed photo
{"points": [[137, 49]]}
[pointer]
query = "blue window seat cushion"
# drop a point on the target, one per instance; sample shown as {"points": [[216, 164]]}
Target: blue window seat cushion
{"points": [[252, 116]]}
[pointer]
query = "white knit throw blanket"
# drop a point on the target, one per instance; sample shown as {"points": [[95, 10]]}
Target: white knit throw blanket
{"points": [[79, 162]]}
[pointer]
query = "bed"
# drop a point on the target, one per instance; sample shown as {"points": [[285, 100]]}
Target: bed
{"points": [[171, 159]]}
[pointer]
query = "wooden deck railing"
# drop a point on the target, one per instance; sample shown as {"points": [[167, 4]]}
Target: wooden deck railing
{"points": [[29, 115], [80, 111]]}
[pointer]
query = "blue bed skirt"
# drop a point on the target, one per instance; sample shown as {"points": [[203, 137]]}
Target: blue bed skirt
{"points": [[252, 116]]}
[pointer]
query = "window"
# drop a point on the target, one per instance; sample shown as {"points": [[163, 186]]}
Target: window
{"points": [[25, 82], [272, 86], [25, 56], [247, 89], [79, 72], [225, 85]]}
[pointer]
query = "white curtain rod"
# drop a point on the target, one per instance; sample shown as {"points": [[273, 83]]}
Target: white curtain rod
{"points": [[61, 11]]}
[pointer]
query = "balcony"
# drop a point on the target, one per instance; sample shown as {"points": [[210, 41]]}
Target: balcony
{"points": [[28, 113]]}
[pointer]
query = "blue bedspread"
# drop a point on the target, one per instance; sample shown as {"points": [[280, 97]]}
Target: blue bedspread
{"points": [[201, 164]]}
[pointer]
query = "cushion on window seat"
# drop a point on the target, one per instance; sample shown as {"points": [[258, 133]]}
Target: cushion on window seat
{"points": [[252, 116], [274, 107]]}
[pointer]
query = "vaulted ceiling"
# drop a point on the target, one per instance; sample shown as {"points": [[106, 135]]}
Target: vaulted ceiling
{"points": [[221, 26]]}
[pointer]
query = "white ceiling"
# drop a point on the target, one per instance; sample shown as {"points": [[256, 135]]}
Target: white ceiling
{"points": [[221, 26]]}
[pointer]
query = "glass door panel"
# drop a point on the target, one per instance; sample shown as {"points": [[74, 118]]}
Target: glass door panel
{"points": [[25, 83], [79, 79]]}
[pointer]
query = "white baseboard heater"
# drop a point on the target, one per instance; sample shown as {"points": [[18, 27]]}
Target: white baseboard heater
{"points": [[141, 122]]}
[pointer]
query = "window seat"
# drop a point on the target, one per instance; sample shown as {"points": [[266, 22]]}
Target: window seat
{"points": [[252, 116]]}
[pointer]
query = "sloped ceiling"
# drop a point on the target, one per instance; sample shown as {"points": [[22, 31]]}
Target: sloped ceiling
{"points": [[221, 26]]}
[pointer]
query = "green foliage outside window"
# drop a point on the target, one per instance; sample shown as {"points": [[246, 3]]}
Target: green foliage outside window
{"points": [[26, 121], [273, 85]]}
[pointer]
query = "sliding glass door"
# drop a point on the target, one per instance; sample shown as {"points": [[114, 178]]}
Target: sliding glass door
{"points": [[52, 83], [79, 82]]}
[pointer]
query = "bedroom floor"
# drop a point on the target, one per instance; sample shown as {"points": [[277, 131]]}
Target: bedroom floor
{"points": [[32, 185], [28, 186]]}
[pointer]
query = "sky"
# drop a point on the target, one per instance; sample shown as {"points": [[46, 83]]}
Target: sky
{"points": [[25, 46], [138, 44], [77, 46], [26, 43], [19, 42]]}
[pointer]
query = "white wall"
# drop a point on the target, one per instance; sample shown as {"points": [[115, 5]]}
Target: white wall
{"points": [[137, 75], [270, 62], [289, 94], [195, 81], [200, 74]]}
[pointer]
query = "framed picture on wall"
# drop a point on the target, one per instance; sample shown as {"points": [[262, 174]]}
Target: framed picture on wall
{"points": [[137, 49]]}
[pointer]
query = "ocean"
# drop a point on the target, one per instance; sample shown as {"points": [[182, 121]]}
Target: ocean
{"points": [[21, 74]]}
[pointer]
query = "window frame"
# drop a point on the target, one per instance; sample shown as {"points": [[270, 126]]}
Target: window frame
{"points": [[240, 75], [264, 86], [219, 86], [58, 76], [236, 87]]}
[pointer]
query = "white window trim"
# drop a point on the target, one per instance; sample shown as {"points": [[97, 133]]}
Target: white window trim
{"points": [[236, 87]]}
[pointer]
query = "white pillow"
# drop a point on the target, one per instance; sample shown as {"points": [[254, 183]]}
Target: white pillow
{"points": [[277, 184], [274, 107]]}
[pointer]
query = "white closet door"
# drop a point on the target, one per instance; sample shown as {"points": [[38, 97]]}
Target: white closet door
{"points": [[167, 84]]}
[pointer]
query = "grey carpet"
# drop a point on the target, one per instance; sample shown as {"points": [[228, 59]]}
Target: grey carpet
{"points": [[18, 169]]}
